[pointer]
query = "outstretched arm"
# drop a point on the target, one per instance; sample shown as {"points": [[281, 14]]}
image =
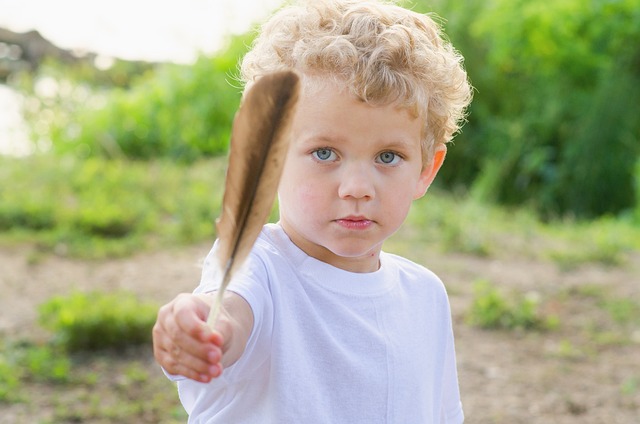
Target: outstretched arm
{"points": [[183, 343]]}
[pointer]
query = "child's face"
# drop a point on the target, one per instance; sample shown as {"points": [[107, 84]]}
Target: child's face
{"points": [[350, 176]]}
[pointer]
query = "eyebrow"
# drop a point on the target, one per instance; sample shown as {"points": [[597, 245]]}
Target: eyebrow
{"points": [[322, 138], [399, 143]]}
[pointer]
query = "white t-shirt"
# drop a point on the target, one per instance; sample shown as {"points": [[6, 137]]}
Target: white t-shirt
{"points": [[331, 346]]}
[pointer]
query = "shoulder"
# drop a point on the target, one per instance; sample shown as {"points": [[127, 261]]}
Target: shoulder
{"points": [[409, 269], [416, 276], [267, 253]]}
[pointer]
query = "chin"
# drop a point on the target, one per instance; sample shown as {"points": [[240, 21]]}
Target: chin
{"points": [[352, 252]]}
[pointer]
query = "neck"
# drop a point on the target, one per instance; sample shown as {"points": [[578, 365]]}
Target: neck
{"points": [[369, 262]]}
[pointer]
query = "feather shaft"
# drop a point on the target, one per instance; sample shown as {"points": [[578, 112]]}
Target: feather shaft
{"points": [[259, 145]]}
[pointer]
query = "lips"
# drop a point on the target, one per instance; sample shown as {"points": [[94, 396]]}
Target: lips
{"points": [[355, 222]]}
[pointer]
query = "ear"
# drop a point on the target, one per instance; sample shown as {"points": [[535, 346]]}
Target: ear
{"points": [[430, 171]]}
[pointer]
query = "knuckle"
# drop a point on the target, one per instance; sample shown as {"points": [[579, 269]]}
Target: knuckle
{"points": [[156, 330], [164, 310], [176, 335]]}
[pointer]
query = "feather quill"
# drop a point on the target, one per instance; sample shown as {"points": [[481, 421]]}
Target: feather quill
{"points": [[258, 147]]}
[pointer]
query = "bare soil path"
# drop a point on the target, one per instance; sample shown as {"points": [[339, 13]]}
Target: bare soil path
{"points": [[587, 371]]}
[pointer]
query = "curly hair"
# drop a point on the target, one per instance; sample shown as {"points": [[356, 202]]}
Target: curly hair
{"points": [[382, 53]]}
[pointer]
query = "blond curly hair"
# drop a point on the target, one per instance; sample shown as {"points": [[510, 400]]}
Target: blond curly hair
{"points": [[381, 52]]}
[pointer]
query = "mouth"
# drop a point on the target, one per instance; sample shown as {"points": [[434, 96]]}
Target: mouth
{"points": [[354, 222]]}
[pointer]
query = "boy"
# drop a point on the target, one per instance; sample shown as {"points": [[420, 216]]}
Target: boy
{"points": [[322, 326]]}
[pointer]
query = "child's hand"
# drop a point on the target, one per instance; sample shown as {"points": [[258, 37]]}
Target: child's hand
{"points": [[183, 343]]}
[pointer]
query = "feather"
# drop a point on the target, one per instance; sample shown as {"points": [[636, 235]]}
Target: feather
{"points": [[259, 145]]}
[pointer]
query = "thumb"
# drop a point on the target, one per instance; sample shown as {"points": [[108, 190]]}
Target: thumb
{"points": [[223, 329]]}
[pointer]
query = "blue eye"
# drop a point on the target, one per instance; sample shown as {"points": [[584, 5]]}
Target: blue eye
{"points": [[324, 154], [389, 158]]}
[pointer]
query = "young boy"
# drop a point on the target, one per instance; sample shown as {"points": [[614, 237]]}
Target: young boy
{"points": [[322, 326]]}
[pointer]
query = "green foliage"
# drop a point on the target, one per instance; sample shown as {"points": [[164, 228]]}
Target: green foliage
{"points": [[605, 241], [117, 73], [84, 387], [458, 226], [613, 319], [47, 363], [30, 362], [554, 120], [623, 311], [183, 112], [98, 207], [88, 72], [491, 310], [95, 321], [9, 378], [635, 215], [553, 124]]}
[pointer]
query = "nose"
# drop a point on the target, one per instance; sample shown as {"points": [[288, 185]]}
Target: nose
{"points": [[356, 182]]}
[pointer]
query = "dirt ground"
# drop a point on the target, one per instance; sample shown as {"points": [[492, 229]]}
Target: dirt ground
{"points": [[587, 371]]}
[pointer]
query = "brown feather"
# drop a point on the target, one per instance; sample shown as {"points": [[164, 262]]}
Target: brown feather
{"points": [[259, 144]]}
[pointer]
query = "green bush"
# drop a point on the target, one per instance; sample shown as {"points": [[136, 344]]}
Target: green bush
{"points": [[635, 215], [95, 321], [491, 310], [182, 112], [554, 120]]}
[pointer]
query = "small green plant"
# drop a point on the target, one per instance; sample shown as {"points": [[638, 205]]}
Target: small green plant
{"points": [[630, 386], [95, 321], [567, 350], [492, 310], [10, 377], [20, 362], [46, 363], [623, 311]]}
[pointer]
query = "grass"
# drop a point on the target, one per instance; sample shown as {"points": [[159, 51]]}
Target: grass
{"points": [[93, 356], [26, 362], [605, 241], [461, 224], [99, 388], [97, 208]]}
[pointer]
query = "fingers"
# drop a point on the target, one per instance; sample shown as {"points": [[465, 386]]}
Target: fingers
{"points": [[183, 343], [223, 329], [178, 362]]}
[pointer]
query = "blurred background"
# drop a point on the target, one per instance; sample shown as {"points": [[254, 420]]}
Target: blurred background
{"points": [[554, 124], [114, 124]]}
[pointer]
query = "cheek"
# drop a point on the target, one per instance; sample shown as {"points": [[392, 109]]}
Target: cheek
{"points": [[304, 197], [309, 198], [398, 201]]}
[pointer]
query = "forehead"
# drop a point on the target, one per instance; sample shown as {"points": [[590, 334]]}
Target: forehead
{"points": [[327, 110], [326, 90], [315, 83]]}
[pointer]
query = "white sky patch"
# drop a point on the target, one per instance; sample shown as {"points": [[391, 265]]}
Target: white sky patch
{"points": [[156, 30], [153, 30]]}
